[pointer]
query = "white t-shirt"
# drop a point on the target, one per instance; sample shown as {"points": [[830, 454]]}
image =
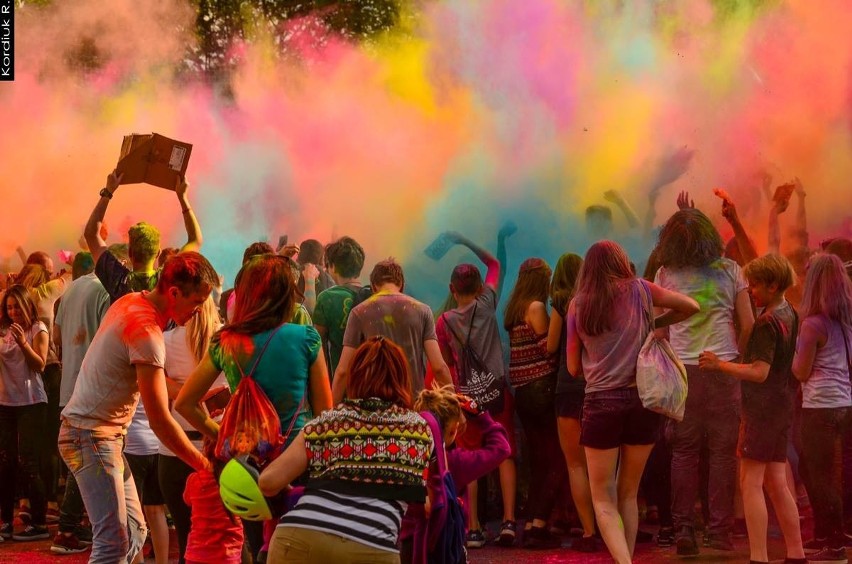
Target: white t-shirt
{"points": [[106, 392], [140, 439], [715, 287], [81, 310], [180, 363], [19, 384]]}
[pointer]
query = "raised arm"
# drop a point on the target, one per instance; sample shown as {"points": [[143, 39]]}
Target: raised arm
{"points": [[505, 232], [744, 242], [492, 275], [615, 197], [92, 233], [801, 214], [194, 239]]}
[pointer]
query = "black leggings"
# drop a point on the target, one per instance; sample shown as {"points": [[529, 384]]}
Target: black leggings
{"points": [[172, 473], [21, 451], [534, 403]]}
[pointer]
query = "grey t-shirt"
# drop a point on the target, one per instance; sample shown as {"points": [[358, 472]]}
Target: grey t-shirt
{"points": [[400, 318], [609, 359], [484, 334]]}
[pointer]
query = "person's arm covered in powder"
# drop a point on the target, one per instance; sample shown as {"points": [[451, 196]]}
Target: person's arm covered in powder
{"points": [[194, 239]]}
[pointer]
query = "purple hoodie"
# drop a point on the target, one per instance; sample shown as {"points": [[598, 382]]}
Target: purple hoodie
{"points": [[465, 466]]}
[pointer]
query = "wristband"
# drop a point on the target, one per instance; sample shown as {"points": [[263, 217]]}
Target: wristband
{"points": [[104, 193], [184, 210]]}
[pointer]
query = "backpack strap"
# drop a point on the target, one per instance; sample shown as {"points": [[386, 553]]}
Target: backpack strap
{"points": [[259, 355], [469, 329]]}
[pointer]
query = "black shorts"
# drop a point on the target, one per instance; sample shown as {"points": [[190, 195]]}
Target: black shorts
{"points": [[764, 439], [569, 404], [612, 418], [144, 470]]}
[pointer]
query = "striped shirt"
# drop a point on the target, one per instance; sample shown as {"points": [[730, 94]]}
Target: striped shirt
{"points": [[528, 357], [366, 520]]}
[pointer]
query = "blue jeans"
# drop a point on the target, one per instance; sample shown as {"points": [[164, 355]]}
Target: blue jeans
{"points": [[109, 493]]}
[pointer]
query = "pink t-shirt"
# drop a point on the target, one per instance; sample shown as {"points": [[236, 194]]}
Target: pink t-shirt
{"points": [[215, 534]]}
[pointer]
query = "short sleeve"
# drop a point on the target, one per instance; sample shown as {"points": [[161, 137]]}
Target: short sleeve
{"points": [[60, 313], [353, 336], [428, 324], [113, 275], [321, 316], [739, 279], [660, 278], [488, 298], [313, 344], [215, 352], [763, 340], [38, 327], [148, 347]]}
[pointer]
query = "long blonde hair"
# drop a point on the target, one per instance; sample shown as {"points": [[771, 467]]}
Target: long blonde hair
{"points": [[202, 326], [828, 290]]}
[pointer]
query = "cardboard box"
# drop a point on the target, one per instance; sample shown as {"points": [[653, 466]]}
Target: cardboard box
{"points": [[153, 159]]}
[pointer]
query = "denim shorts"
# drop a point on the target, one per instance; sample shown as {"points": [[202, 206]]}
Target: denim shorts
{"points": [[569, 404], [612, 418]]}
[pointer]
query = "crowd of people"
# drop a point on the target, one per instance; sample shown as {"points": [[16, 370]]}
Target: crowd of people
{"points": [[116, 381]]}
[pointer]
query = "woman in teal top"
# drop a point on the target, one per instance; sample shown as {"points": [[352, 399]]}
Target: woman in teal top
{"points": [[290, 371]]}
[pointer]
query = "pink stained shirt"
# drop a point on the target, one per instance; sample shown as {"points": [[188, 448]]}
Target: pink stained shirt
{"points": [[215, 535]]}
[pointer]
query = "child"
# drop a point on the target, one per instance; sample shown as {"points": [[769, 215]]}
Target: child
{"points": [[453, 412], [768, 389], [215, 535]]}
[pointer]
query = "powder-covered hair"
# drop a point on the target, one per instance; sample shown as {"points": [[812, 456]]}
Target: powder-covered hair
{"points": [[828, 290], [442, 402], [32, 276], [603, 275], [689, 239]]}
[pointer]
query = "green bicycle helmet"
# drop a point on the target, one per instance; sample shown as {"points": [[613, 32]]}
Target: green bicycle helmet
{"points": [[240, 493]]}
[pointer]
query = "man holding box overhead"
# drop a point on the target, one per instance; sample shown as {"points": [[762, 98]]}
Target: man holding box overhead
{"points": [[144, 243]]}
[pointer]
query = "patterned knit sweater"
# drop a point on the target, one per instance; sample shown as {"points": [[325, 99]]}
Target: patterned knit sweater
{"points": [[371, 448]]}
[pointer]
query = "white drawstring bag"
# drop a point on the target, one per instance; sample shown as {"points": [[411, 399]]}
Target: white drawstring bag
{"points": [[660, 375]]}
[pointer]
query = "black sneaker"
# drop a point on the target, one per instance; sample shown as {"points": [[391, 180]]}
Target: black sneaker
{"points": [[586, 544], [665, 537], [6, 531], [508, 532], [828, 555], [718, 541], [685, 539], [475, 539], [539, 538], [32, 533], [815, 545]]}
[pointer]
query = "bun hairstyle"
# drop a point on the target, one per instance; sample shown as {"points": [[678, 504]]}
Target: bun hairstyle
{"points": [[441, 401]]}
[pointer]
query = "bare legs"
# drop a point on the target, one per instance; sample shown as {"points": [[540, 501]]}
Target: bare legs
{"points": [[754, 476], [614, 496], [578, 476]]}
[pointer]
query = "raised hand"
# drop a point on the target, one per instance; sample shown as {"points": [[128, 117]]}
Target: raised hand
{"points": [[683, 201], [508, 229], [181, 186], [113, 181]]}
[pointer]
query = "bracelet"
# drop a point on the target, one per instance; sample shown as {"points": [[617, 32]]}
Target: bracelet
{"points": [[104, 193], [184, 210]]}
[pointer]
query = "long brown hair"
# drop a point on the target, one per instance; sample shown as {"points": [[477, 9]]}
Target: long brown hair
{"points": [[564, 281], [379, 369], [264, 298], [532, 286], [689, 239], [604, 271], [28, 308]]}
